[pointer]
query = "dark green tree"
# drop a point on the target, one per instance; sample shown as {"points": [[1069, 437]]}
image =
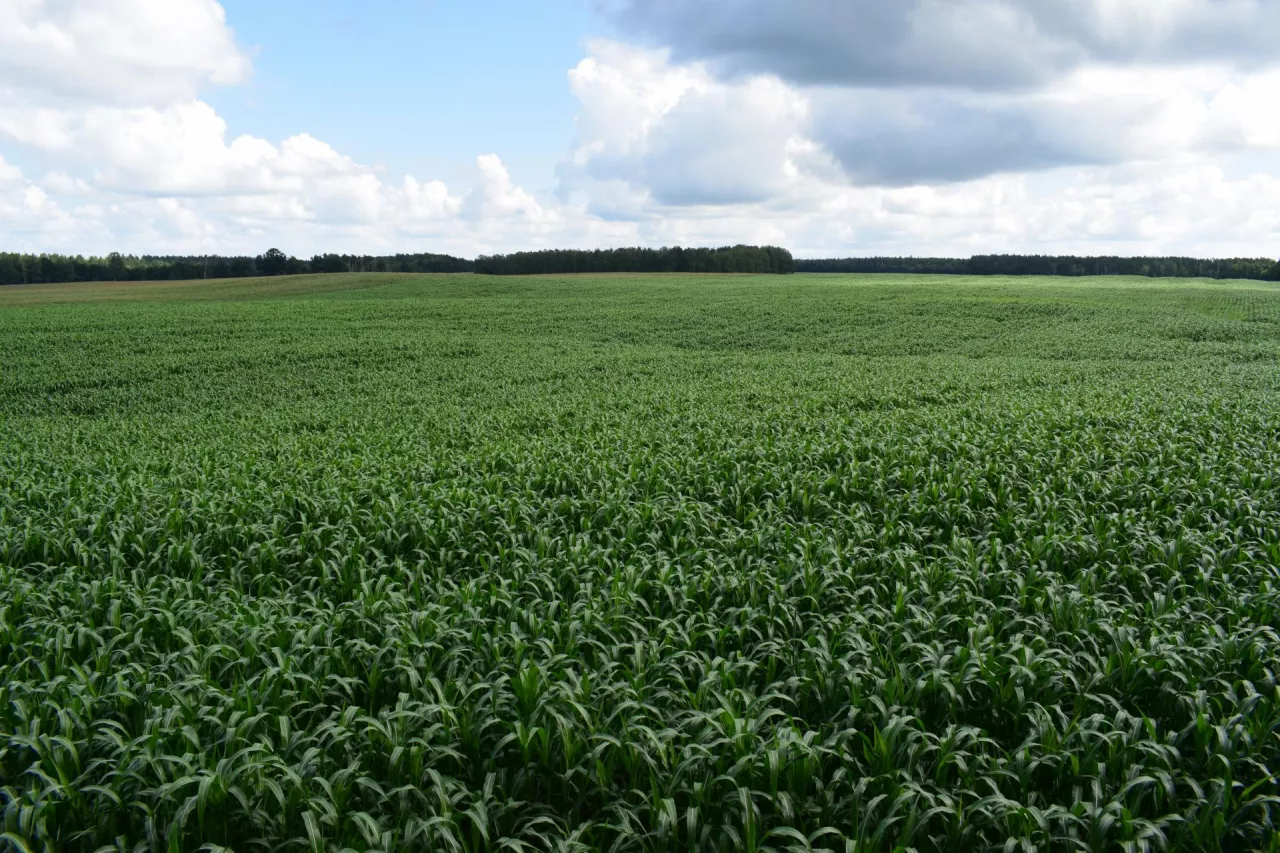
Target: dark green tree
{"points": [[1250, 268], [740, 259], [273, 262], [115, 266]]}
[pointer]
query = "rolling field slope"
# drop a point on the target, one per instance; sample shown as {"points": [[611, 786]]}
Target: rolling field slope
{"points": [[659, 563]]}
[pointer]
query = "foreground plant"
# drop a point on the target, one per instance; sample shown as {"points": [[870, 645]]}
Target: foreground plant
{"points": [[644, 566]]}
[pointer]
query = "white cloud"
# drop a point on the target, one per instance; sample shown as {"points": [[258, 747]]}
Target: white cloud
{"points": [[654, 133], [10, 175], [833, 171], [180, 149], [27, 212], [1041, 140], [1095, 115], [108, 93], [988, 44], [425, 203], [675, 129], [497, 197], [116, 51]]}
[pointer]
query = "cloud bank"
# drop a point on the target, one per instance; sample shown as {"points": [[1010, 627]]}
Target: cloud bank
{"points": [[833, 127], [997, 45]]}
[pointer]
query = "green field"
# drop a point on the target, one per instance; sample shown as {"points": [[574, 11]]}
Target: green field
{"points": [[458, 563]]}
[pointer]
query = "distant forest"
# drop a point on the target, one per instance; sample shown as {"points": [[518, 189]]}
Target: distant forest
{"points": [[1254, 268], [751, 259], [43, 269]]}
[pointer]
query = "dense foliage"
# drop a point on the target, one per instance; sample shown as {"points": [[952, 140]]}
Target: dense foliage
{"points": [[728, 259], [48, 269], [689, 564], [1242, 268], [420, 263], [863, 266]]}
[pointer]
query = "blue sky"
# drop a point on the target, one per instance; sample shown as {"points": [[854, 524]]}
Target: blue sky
{"points": [[440, 80], [832, 127]]}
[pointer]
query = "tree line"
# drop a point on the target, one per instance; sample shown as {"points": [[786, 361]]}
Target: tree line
{"points": [[48, 269], [51, 268], [1251, 268], [740, 259]]}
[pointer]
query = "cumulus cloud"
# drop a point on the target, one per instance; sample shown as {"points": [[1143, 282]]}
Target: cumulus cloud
{"points": [[675, 134], [125, 52], [110, 94], [1094, 116], [1184, 208], [427, 202], [991, 44], [653, 132], [1104, 160], [497, 196], [921, 91], [903, 92], [860, 126], [182, 150], [27, 211]]}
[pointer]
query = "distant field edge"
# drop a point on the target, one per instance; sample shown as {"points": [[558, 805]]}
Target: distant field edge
{"points": [[336, 284]]}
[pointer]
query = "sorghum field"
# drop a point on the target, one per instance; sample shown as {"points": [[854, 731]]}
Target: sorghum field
{"points": [[461, 564]]}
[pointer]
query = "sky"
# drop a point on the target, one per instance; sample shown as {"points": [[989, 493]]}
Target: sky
{"points": [[831, 127]]}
